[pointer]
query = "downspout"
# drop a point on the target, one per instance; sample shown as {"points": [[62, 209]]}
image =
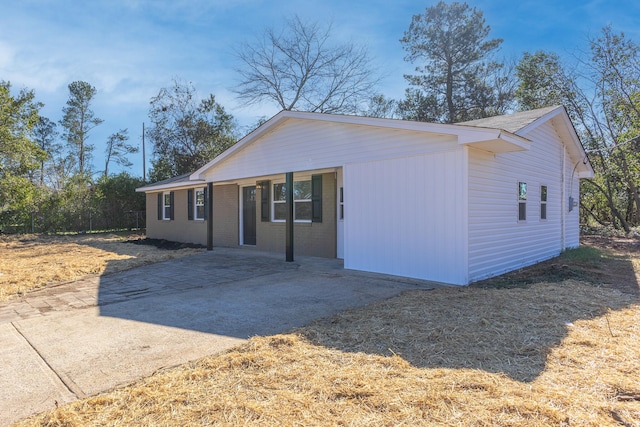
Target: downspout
{"points": [[564, 194]]}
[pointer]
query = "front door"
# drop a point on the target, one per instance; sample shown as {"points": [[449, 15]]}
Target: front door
{"points": [[249, 215]]}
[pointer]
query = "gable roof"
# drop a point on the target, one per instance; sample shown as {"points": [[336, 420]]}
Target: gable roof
{"points": [[499, 134], [512, 122], [523, 122], [180, 178], [491, 139]]}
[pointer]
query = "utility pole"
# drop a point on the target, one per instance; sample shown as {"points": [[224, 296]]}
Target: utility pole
{"points": [[144, 158]]}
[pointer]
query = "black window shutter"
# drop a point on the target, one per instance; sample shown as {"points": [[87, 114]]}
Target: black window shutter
{"points": [[172, 205], [160, 206], [190, 204], [206, 203], [264, 201], [316, 198]]}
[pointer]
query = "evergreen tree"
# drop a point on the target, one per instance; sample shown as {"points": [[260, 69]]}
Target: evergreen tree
{"points": [[78, 120], [456, 78]]}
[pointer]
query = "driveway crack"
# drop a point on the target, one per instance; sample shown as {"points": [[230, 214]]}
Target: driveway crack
{"points": [[68, 382]]}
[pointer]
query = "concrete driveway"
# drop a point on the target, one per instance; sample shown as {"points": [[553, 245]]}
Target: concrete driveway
{"points": [[86, 337]]}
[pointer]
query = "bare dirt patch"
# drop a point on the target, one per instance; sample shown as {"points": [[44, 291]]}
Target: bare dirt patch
{"points": [[33, 261], [548, 350], [608, 261]]}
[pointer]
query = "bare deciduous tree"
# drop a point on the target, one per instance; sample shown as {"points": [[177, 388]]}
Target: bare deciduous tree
{"points": [[298, 68], [118, 150]]}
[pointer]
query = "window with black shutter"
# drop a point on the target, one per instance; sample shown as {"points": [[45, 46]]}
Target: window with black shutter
{"points": [[265, 215], [316, 198], [165, 205], [171, 205], [190, 204]]}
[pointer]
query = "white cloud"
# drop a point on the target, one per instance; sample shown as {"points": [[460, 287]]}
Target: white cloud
{"points": [[6, 55]]}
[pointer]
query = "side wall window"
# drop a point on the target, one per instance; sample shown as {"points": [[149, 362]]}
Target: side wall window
{"points": [[543, 202], [196, 203], [307, 200], [279, 202], [199, 205], [165, 205], [522, 201]]}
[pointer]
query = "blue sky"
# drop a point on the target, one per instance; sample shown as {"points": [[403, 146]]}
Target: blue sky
{"points": [[129, 49]]}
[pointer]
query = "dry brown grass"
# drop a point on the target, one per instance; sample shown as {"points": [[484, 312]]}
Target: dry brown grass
{"points": [[28, 262], [563, 353]]}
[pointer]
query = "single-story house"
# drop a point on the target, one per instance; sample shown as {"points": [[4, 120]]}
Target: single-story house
{"points": [[452, 203]]}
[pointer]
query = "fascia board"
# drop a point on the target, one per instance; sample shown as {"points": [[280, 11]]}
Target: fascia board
{"points": [[494, 140], [171, 186]]}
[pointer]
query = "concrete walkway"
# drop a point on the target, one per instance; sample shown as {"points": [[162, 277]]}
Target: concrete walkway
{"points": [[88, 336]]}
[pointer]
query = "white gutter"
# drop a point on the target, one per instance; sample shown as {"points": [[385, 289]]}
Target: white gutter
{"points": [[172, 186]]}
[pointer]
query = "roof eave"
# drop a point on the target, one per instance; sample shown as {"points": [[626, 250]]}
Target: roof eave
{"points": [[494, 141], [586, 174], [170, 186]]}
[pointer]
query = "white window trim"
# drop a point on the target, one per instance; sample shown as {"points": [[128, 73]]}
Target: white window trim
{"points": [[195, 203], [522, 201], [166, 194], [544, 202], [273, 201]]}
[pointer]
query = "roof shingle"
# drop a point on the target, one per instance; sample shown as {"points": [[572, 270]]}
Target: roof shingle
{"points": [[511, 122]]}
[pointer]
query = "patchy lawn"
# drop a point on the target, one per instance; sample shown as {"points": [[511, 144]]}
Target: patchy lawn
{"points": [[33, 261], [556, 344]]}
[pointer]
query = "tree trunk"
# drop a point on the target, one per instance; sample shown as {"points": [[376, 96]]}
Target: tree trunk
{"points": [[615, 212], [449, 95]]}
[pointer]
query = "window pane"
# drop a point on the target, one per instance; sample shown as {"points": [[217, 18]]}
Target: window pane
{"points": [[522, 191], [250, 194], [543, 211], [543, 193], [279, 192], [302, 210], [200, 212], [522, 211], [280, 211], [167, 199], [167, 212], [200, 197], [302, 190]]}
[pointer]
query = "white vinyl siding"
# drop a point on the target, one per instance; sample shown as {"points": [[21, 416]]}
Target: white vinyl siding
{"points": [[305, 145], [571, 218], [498, 242], [407, 216], [340, 214]]}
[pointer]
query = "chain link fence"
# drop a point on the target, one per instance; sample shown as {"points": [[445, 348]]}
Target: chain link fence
{"points": [[85, 221]]}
